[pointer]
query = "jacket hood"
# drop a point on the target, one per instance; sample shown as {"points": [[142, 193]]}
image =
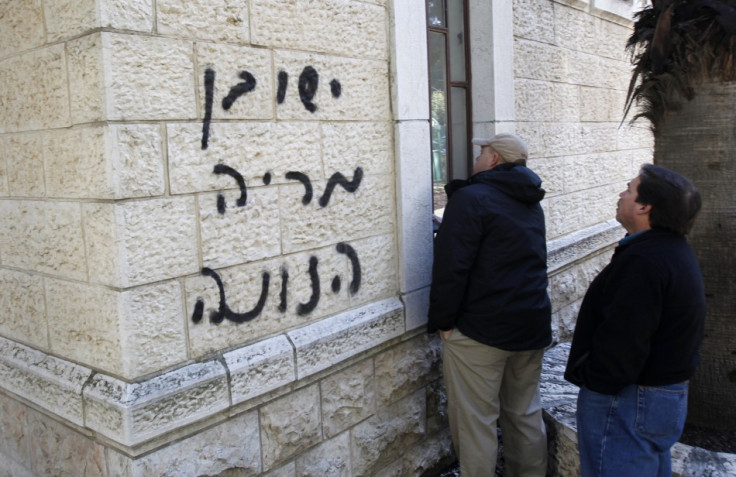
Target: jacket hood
{"points": [[514, 180]]}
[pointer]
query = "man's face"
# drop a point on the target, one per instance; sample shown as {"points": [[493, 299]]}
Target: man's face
{"points": [[486, 160], [627, 206]]}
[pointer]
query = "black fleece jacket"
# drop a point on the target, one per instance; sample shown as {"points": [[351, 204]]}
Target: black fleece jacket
{"points": [[489, 277], [641, 321]]}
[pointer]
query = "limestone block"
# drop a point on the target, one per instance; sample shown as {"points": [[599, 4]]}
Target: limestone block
{"points": [[592, 170], [423, 458], [231, 446], [596, 71], [547, 101], [288, 470], [228, 62], [58, 450], [84, 323], [599, 104], [535, 20], [69, 18], [260, 368], [152, 329], [412, 365], [132, 413], [331, 458], [348, 216], [577, 29], [128, 333], [363, 87], [386, 436], [348, 397], [563, 321], [377, 257], [3, 178], [541, 61], [49, 382], [564, 216], [134, 15], [24, 309], [158, 238], [437, 420], [87, 79], [290, 425], [332, 340], [257, 151], [240, 234], [220, 21], [101, 240], [334, 26], [148, 78], [21, 26], [69, 151], [636, 137], [567, 139], [292, 298], [44, 237], [24, 173], [14, 439], [551, 171], [136, 153], [362, 144], [34, 93]]}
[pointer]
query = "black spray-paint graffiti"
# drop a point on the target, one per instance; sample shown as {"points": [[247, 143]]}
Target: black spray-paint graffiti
{"points": [[336, 179], [224, 312], [308, 84]]}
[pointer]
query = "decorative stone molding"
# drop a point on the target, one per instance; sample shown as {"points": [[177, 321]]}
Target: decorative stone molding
{"points": [[574, 247], [133, 413]]}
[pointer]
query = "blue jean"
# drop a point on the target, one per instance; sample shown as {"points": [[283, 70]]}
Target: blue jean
{"points": [[630, 433]]}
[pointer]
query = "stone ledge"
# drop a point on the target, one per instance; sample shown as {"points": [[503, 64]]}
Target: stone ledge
{"points": [[131, 414], [559, 401], [576, 246]]}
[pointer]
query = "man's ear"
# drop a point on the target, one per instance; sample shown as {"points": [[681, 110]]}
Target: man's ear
{"points": [[496, 160], [644, 209]]}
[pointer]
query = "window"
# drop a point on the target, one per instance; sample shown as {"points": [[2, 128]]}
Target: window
{"points": [[449, 94]]}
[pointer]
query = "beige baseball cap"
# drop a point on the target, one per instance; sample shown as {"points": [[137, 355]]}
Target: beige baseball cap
{"points": [[510, 146]]}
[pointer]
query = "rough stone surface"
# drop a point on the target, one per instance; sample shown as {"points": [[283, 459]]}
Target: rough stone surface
{"points": [[330, 458], [44, 237], [384, 437], [34, 94], [148, 78], [21, 26], [334, 339], [232, 446], [408, 367], [346, 27], [134, 413], [348, 397], [290, 425], [222, 20], [23, 154], [260, 368], [24, 310], [87, 79], [51, 383]]}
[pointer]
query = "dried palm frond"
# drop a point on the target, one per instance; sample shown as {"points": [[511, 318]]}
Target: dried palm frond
{"points": [[676, 45]]}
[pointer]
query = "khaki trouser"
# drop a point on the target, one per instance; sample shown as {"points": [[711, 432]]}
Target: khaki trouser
{"points": [[484, 384]]}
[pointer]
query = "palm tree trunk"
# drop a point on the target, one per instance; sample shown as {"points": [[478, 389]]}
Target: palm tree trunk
{"points": [[699, 141]]}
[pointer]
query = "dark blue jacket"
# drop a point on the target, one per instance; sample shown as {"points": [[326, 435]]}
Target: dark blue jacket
{"points": [[641, 321], [489, 277]]}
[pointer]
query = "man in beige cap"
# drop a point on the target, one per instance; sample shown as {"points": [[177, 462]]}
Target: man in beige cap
{"points": [[489, 302]]}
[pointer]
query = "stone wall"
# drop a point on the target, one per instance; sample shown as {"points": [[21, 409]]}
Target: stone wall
{"points": [[216, 225]]}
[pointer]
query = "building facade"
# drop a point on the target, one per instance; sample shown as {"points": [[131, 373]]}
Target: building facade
{"points": [[216, 221]]}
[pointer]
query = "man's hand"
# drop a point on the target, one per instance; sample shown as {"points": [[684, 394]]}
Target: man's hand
{"points": [[445, 335]]}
